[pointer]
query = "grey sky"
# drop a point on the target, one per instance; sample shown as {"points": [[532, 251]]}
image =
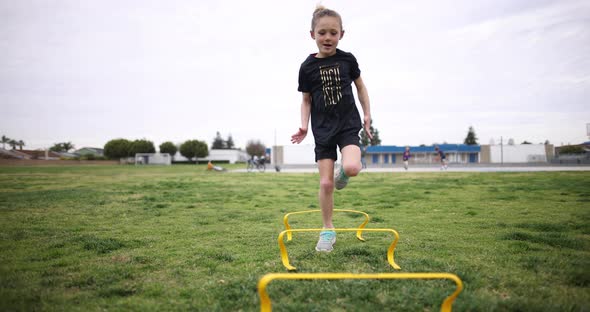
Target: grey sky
{"points": [[91, 71]]}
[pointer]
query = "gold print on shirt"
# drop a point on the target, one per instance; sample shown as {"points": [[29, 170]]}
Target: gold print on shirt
{"points": [[330, 75]]}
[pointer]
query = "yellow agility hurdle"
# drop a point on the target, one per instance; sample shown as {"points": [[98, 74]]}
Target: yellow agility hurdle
{"points": [[285, 256], [359, 233], [265, 305]]}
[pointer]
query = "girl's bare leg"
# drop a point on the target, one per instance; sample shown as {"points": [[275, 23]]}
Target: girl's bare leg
{"points": [[326, 194], [351, 160]]}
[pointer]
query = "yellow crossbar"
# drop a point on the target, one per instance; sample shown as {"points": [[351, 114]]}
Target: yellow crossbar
{"points": [[359, 233], [285, 255], [265, 304]]}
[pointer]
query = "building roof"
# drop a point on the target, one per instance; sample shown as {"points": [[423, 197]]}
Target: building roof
{"points": [[94, 150], [67, 154], [8, 154], [447, 148], [28, 154]]}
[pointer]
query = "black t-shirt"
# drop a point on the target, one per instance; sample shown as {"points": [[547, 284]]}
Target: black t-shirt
{"points": [[329, 81]]}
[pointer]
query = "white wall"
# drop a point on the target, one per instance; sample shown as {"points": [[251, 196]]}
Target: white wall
{"points": [[153, 159], [224, 155], [232, 156], [298, 154], [523, 153]]}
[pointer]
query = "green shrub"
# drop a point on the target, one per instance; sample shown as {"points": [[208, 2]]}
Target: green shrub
{"points": [[194, 148], [141, 146], [117, 148], [572, 149], [168, 147]]}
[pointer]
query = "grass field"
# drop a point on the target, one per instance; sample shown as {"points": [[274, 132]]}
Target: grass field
{"points": [[181, 238]]}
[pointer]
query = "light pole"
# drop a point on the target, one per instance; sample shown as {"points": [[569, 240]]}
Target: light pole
{"points": [[501, 151]]}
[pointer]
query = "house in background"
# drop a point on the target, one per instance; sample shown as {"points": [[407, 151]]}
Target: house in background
{"points": [[583, 147], [30, 154], [564, 155], [390, 155], [85, 151], [11, 154], [380, 155], [67, 155]]}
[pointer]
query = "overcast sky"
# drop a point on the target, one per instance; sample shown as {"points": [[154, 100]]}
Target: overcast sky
{"points": [[91, 71]]}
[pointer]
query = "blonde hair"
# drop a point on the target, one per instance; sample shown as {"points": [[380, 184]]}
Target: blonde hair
{"points": [[321, 11]]}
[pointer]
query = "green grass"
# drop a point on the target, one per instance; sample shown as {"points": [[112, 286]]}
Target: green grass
{"points": [[181, 238]]}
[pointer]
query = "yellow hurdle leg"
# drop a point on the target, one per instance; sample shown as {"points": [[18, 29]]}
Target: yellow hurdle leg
{"points": [[265, 304], [390, 250]]}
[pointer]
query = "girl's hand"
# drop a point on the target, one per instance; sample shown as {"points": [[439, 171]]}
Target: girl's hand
{"points": [[367, 120], [299, 136]]}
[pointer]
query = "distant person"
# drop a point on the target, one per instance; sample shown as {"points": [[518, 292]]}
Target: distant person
{"points": [[210, 166], [325, 80], [363, 155], [406, 157], [442, 157]]}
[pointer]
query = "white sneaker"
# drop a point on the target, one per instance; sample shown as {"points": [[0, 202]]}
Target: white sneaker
{"points": [[326, 242], [340, 179]]}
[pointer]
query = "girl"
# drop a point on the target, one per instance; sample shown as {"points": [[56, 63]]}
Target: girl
{"points": [[442, 157], [406, 157], [325, 80]]}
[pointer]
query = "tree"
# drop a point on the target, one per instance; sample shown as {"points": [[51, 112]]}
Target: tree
{"points": [[67, 146], [117, 148], [526, 142], [13, 143], [61, 147], [229, 144], [141, 146], [20, 144], [365, 138], [5, 140], [194, 148], [547, 142], [470, 139], [168, 147], [255, 148], [511, 141], [218, 142], [57, 147]]}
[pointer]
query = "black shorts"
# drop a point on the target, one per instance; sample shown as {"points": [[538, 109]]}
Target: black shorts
{"points": [[328, 150]]}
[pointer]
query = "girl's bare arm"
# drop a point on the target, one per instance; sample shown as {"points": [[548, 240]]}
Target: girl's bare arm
{"points": [[363, 95], [305, 113]]}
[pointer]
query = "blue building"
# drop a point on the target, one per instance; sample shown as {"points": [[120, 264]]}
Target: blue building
{"points": [[389, 155]]}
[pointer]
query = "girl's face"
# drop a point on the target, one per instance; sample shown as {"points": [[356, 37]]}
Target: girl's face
{"points": [[326, 34]]}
